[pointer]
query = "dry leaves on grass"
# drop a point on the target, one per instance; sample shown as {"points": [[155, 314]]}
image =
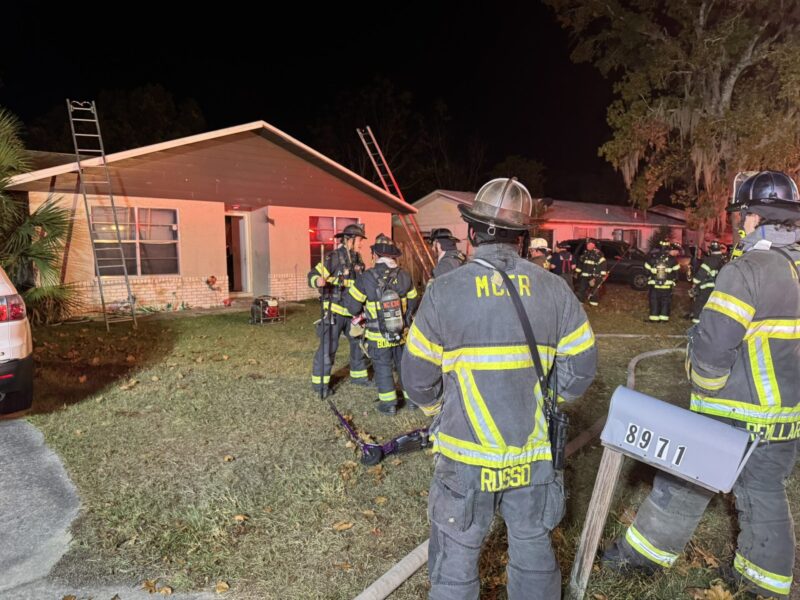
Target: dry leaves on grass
{"points": [[370, 514], [165, 591], [82, 379], [344, 566], [365, 437], [228, 458], [599, 597], [715, 592], [377, 473], [343, 525], [221, 587], [348, 469], [241, 518], [381, 500], [130, 358], [130, 384], [149, 585], [70, 597], [702, 558]]}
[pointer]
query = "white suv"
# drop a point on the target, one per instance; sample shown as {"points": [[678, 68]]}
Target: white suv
{"points": [[16, 351]]}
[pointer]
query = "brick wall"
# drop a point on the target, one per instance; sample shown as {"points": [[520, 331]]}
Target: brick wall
{"points": [[160, 292], [289, 286]]}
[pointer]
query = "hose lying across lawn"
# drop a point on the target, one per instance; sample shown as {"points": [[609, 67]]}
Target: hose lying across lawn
{"points": [[399, 573]]}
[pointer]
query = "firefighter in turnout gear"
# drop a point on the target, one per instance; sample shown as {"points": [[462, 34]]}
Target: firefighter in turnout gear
{"points": [[467, 361], [333, 277], [388, 298], [448, 256], [704, 278], [663, 269], [539, 253], [563, 263], [744, 370], [591, 271]]}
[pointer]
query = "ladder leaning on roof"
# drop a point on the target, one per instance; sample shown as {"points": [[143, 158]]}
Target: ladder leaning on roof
{"points": [[107, 249], [422, 251]]}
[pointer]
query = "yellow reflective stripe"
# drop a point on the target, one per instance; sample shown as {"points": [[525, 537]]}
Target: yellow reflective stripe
{"points": [[418, 345], [709, 383], [639, 543], [578, 341], [387, 396], [316, 379], [732, 307], [495, 358], [744, 411], [780, 584], [339, 310], [763, 371], [320, 268], [432, 410], [372, 309], [359, 374], [478, 413], [412, 293], [357, 294], [782, 329], [474, 454]]}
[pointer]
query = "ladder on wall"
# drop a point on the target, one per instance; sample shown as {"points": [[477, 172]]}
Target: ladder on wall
{"points": [[107, 248], [422, 252]]}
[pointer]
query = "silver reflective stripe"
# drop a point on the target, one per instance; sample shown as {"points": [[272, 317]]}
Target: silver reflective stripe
{"points": [[464, 360], [763, 375], [736, 412], [463, 375], [529, 455]]}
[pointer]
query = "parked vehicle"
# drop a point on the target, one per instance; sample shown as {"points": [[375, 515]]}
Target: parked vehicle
{"points": [[625, 263], [16, 351]]}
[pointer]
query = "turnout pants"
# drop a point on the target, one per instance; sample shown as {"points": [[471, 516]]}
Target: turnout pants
{"points": [[586, 292], [660, 304], [461, 514], [699, 302], [385, 361], [328, 332], [766, 543]]}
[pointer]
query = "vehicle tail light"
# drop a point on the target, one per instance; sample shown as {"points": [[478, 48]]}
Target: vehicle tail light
{"points": [[12, 308]]}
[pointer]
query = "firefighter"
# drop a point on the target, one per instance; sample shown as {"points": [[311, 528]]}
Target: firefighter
{"points": [[704, 278], [539, 253], [663, 269], [467, 362], [563, 263], [591, 271], [448, 256], [333, 278], [388, 297], [744, 371]]}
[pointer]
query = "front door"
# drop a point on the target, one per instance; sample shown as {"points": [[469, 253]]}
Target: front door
{"points": [[236, 253]]}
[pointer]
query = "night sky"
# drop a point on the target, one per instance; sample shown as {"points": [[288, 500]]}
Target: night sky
{"points": [[503, 70]]}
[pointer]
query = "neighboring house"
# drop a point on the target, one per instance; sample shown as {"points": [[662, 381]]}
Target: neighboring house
{"points": [[249, 205], [563, 220]]}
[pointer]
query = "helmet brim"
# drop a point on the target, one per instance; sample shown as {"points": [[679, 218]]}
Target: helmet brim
{"points": [[386, 250], [468, 214]]}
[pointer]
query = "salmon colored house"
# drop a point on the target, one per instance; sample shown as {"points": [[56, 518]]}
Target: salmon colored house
{"points": [[249, 205]]}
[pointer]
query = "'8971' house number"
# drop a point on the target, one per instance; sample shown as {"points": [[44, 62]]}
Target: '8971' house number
{"points": [[658, 447]]}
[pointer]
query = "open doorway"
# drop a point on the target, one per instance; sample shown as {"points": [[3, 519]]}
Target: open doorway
{"points": [[236, 254]]}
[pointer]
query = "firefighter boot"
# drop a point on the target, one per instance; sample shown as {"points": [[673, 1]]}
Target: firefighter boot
{"points": [[622, 560], [387, 408]]}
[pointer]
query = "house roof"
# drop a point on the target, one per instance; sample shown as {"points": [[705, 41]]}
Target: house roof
{"points": [[573, 212], [227, 165]]}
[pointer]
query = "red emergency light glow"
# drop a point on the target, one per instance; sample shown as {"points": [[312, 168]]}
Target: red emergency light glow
{"points": [[8, 376]]}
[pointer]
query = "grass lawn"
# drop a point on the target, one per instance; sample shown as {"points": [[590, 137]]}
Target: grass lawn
{"points": [[201, 455]]}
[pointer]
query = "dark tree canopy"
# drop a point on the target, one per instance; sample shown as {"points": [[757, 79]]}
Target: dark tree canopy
{"points": [[703, 89]]}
